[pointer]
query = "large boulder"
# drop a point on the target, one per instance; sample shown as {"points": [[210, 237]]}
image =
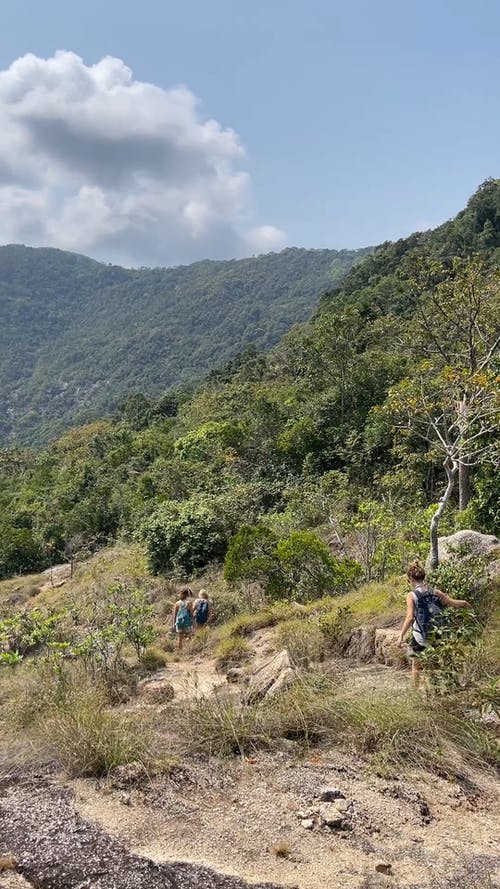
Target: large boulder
{"points": [[361, 644], [387, 650], [466, 543], [271, 677]]}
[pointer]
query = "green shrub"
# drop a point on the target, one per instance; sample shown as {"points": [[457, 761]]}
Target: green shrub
{"points": [[456, 657], [185, 536], [251, 554], [298, 567]]}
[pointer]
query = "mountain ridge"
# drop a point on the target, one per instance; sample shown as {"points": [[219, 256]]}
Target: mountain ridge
{"points": [[78, 335]]}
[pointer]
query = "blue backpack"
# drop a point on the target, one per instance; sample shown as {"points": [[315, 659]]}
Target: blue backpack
{"points": [[202, 612], [183, 621], [428, 610]]}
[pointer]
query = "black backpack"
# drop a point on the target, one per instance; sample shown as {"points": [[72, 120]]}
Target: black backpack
{"points": [[428, 610]]}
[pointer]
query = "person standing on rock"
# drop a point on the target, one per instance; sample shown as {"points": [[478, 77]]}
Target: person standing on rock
{"points": [[202, 609], [424, 605], [183, 618]]}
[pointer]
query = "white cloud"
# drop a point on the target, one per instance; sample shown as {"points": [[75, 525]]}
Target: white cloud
{"points": [[265, 238], [95, 161]]}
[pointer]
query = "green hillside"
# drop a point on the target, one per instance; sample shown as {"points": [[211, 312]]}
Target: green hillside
{"points": [[347, 431], [77, 335]]}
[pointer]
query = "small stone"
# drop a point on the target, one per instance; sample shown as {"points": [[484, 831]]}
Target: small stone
{"points": [[304, 813], [331, 816], [307, 823], [7, 862], [342, 805], [329, 794], [384, 868]]}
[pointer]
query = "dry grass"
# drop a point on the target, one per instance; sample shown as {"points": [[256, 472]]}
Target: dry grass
{"points": [[60, 715], [232, 651], [302, 638], [153, 658], [87, 738], [395, 729]]}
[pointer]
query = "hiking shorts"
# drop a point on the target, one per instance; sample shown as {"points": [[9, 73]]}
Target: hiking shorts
{"points": [[415, 647]]}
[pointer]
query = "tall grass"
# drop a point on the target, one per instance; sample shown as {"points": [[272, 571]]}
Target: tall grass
{"points": [[65, 718], [397, 730], [87, 738]]}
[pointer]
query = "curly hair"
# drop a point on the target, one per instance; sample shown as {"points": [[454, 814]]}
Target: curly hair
{"points": [[416, 570]]}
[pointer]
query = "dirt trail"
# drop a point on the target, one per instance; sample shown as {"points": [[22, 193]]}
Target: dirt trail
{"points": [[242, 819], [55, 848]]}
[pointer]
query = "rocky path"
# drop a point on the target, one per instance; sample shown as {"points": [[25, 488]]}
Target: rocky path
{"points": [[55, 848]]}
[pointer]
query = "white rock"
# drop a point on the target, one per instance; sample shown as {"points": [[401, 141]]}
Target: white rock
{"points": [[271, 677]]}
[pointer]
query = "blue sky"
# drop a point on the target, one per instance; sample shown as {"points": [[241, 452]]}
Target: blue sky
{"points": [[360, 121]]}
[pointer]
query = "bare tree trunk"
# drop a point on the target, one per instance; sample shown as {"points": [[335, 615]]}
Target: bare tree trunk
{"points": [[451, 474], [463, 468], [463, 485]]}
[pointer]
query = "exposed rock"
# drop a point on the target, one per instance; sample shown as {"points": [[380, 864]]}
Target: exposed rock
{"points": [[331, 816], [156, 691], [285, 745], [361, 644], [386, 648], [236, 674], [343, 805], [57, 849], [56, 576], [307, 823], [133, 773], [466, 543], [384, 868], [271, 677], [329, 794]]}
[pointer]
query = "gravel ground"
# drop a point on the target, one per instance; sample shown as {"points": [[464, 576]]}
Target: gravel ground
{"points": [[55, 848], [233, 815]]}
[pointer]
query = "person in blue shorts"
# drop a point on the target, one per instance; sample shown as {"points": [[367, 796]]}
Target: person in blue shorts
{"points": [[183, 618]]}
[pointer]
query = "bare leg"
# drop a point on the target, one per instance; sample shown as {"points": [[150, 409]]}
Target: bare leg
{"points": [[180, 641], [416, 672]]}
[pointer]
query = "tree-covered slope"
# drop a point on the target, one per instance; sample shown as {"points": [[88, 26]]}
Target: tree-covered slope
{"points": [[77, 335], [348, 430]]}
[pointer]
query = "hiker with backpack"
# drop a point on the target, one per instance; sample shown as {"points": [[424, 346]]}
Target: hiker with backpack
{"points": [[424, 605], [183, 619], [202, 610]]}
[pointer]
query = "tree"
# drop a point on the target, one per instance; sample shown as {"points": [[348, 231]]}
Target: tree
{"points": [[185, 536], [430, 406], [457, 326], [299, 566]]}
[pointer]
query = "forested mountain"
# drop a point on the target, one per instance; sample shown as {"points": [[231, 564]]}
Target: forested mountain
{"points": [[349, 430], [76, 335]]}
